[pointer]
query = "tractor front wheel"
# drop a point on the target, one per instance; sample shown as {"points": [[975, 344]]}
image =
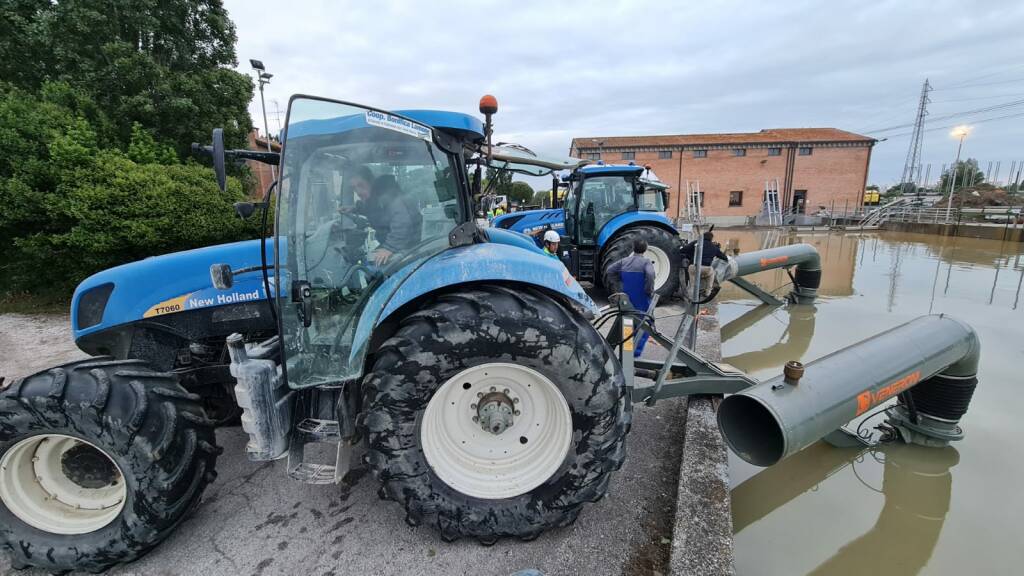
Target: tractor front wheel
{"points": [[495, 412], [663, 250], [99, 460]]}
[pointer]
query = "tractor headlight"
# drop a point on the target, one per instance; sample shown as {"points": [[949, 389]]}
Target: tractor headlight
{"points": [[92, 304]]}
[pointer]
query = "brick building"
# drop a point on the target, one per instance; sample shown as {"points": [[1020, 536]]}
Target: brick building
{"points": [[815, 167], [262, 172]]}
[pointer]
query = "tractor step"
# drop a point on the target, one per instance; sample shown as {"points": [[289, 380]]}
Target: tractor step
{"points": [[317, 453], [586, 262]]}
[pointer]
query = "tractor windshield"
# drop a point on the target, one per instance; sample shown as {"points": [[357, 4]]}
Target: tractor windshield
{"points": [[365, 197], [601, 199]]}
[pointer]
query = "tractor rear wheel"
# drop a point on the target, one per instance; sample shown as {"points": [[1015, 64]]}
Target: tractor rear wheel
{"points": [[99, 460], [494, 412], [663, 250]]}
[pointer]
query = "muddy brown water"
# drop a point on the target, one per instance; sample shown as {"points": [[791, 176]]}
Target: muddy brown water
{"points": [[894, 509]]}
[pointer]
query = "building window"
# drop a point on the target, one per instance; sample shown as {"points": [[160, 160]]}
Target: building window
{"points": [[629, 155], [739, 151], [592, 156], [736, 198], [775, 151], [805, 150], [664, 154], [700, 153]]}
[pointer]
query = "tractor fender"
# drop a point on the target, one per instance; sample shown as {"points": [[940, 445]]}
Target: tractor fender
{"points": [[502, 260], [630, 220]]}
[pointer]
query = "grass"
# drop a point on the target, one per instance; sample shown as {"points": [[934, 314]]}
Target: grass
{"points": [[25, 303]]}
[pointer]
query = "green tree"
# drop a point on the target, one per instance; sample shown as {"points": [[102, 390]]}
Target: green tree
{"points": [[541, 198], [160, 63], [502, 182], [79, 208], [521, 192], [967, 174]]}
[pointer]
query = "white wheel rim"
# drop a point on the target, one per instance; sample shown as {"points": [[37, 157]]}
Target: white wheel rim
{"points": [[494, 466], [35, 487], [662, 265]]}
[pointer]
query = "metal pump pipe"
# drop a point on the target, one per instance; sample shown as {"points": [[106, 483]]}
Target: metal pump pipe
{"points": [[803, 256], [938, 354]]}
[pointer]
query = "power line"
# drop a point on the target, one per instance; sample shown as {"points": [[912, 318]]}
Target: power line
{"points": [[961, 87], [982, 121], [983, 110], [988, 75], [978, 98]]}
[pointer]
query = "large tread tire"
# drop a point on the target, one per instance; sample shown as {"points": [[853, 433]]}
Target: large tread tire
{"points": [[156, 432], [480, 325], [622, 245]]}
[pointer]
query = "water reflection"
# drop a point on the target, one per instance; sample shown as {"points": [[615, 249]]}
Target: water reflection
{"points": [[848, 512], [792, 344], [917, 486]]}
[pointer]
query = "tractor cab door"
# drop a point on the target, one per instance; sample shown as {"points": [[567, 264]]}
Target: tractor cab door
{"points": [[602, 198], [366, 197]]}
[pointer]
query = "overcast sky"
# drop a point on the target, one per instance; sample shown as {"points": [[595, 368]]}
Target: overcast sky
{"points": [[565, 69]]}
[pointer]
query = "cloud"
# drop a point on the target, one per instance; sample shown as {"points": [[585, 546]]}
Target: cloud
{"points": [[571, 69]]}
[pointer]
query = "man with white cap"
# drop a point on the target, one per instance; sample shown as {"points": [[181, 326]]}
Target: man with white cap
{"points": [[551, 241]]}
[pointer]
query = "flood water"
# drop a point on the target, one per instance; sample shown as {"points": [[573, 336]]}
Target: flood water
{"points": [[894, 509]]}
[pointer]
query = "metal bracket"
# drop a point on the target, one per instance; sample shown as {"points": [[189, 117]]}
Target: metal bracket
{"points": [[757, 291], [465, 234]]}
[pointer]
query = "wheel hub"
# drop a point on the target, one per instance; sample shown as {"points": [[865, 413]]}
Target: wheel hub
{"points": [[88, 467], [496, 410]]}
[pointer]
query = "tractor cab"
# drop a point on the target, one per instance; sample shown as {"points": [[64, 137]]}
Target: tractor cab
{"points": [[606, 208], [596, 195]]}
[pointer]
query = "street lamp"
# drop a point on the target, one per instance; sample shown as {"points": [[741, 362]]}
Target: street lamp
{"points": [[263, 78], [960, 132]]}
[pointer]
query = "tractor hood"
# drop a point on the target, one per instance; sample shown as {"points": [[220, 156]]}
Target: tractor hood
{"points": [[166, 284]]}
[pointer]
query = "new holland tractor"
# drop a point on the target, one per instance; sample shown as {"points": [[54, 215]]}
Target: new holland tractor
{"points": [[464, 365], [606, 208]]}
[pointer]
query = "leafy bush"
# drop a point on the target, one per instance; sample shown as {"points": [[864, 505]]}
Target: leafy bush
{"points": [[72, 208]]}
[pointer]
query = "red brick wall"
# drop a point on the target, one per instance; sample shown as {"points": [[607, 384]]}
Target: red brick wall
{"points": [[828, 173], [831, 174]]}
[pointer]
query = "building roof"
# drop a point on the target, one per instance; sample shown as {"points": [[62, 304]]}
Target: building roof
{"points": [[767, 136]]}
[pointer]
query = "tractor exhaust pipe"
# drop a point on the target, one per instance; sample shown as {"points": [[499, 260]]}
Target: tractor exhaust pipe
{"points": [[931, 363], [804, 256]]}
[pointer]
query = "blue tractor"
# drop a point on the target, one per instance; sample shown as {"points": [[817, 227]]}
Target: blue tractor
{"points": [[378, 316], [606, 208]]}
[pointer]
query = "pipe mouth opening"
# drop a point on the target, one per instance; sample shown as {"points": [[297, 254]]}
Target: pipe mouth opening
{"points": [[751, 430]]}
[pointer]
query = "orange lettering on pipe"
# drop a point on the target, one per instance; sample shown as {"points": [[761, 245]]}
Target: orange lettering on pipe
{"points": [[867, 399], [776, 260]]}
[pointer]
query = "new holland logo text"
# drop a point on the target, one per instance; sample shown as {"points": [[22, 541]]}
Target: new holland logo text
{"points": [[867, 398]]}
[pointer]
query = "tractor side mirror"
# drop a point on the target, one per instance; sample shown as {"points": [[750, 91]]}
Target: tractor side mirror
{"points": [[221, 276], [218, 159], [216, 151]]}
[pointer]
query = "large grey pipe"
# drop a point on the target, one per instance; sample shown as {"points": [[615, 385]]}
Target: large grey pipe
{"points": [[804, 256], [780, 417]]}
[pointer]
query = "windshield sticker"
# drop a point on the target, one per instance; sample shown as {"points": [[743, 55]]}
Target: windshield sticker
{"points": [[384, 120]]}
